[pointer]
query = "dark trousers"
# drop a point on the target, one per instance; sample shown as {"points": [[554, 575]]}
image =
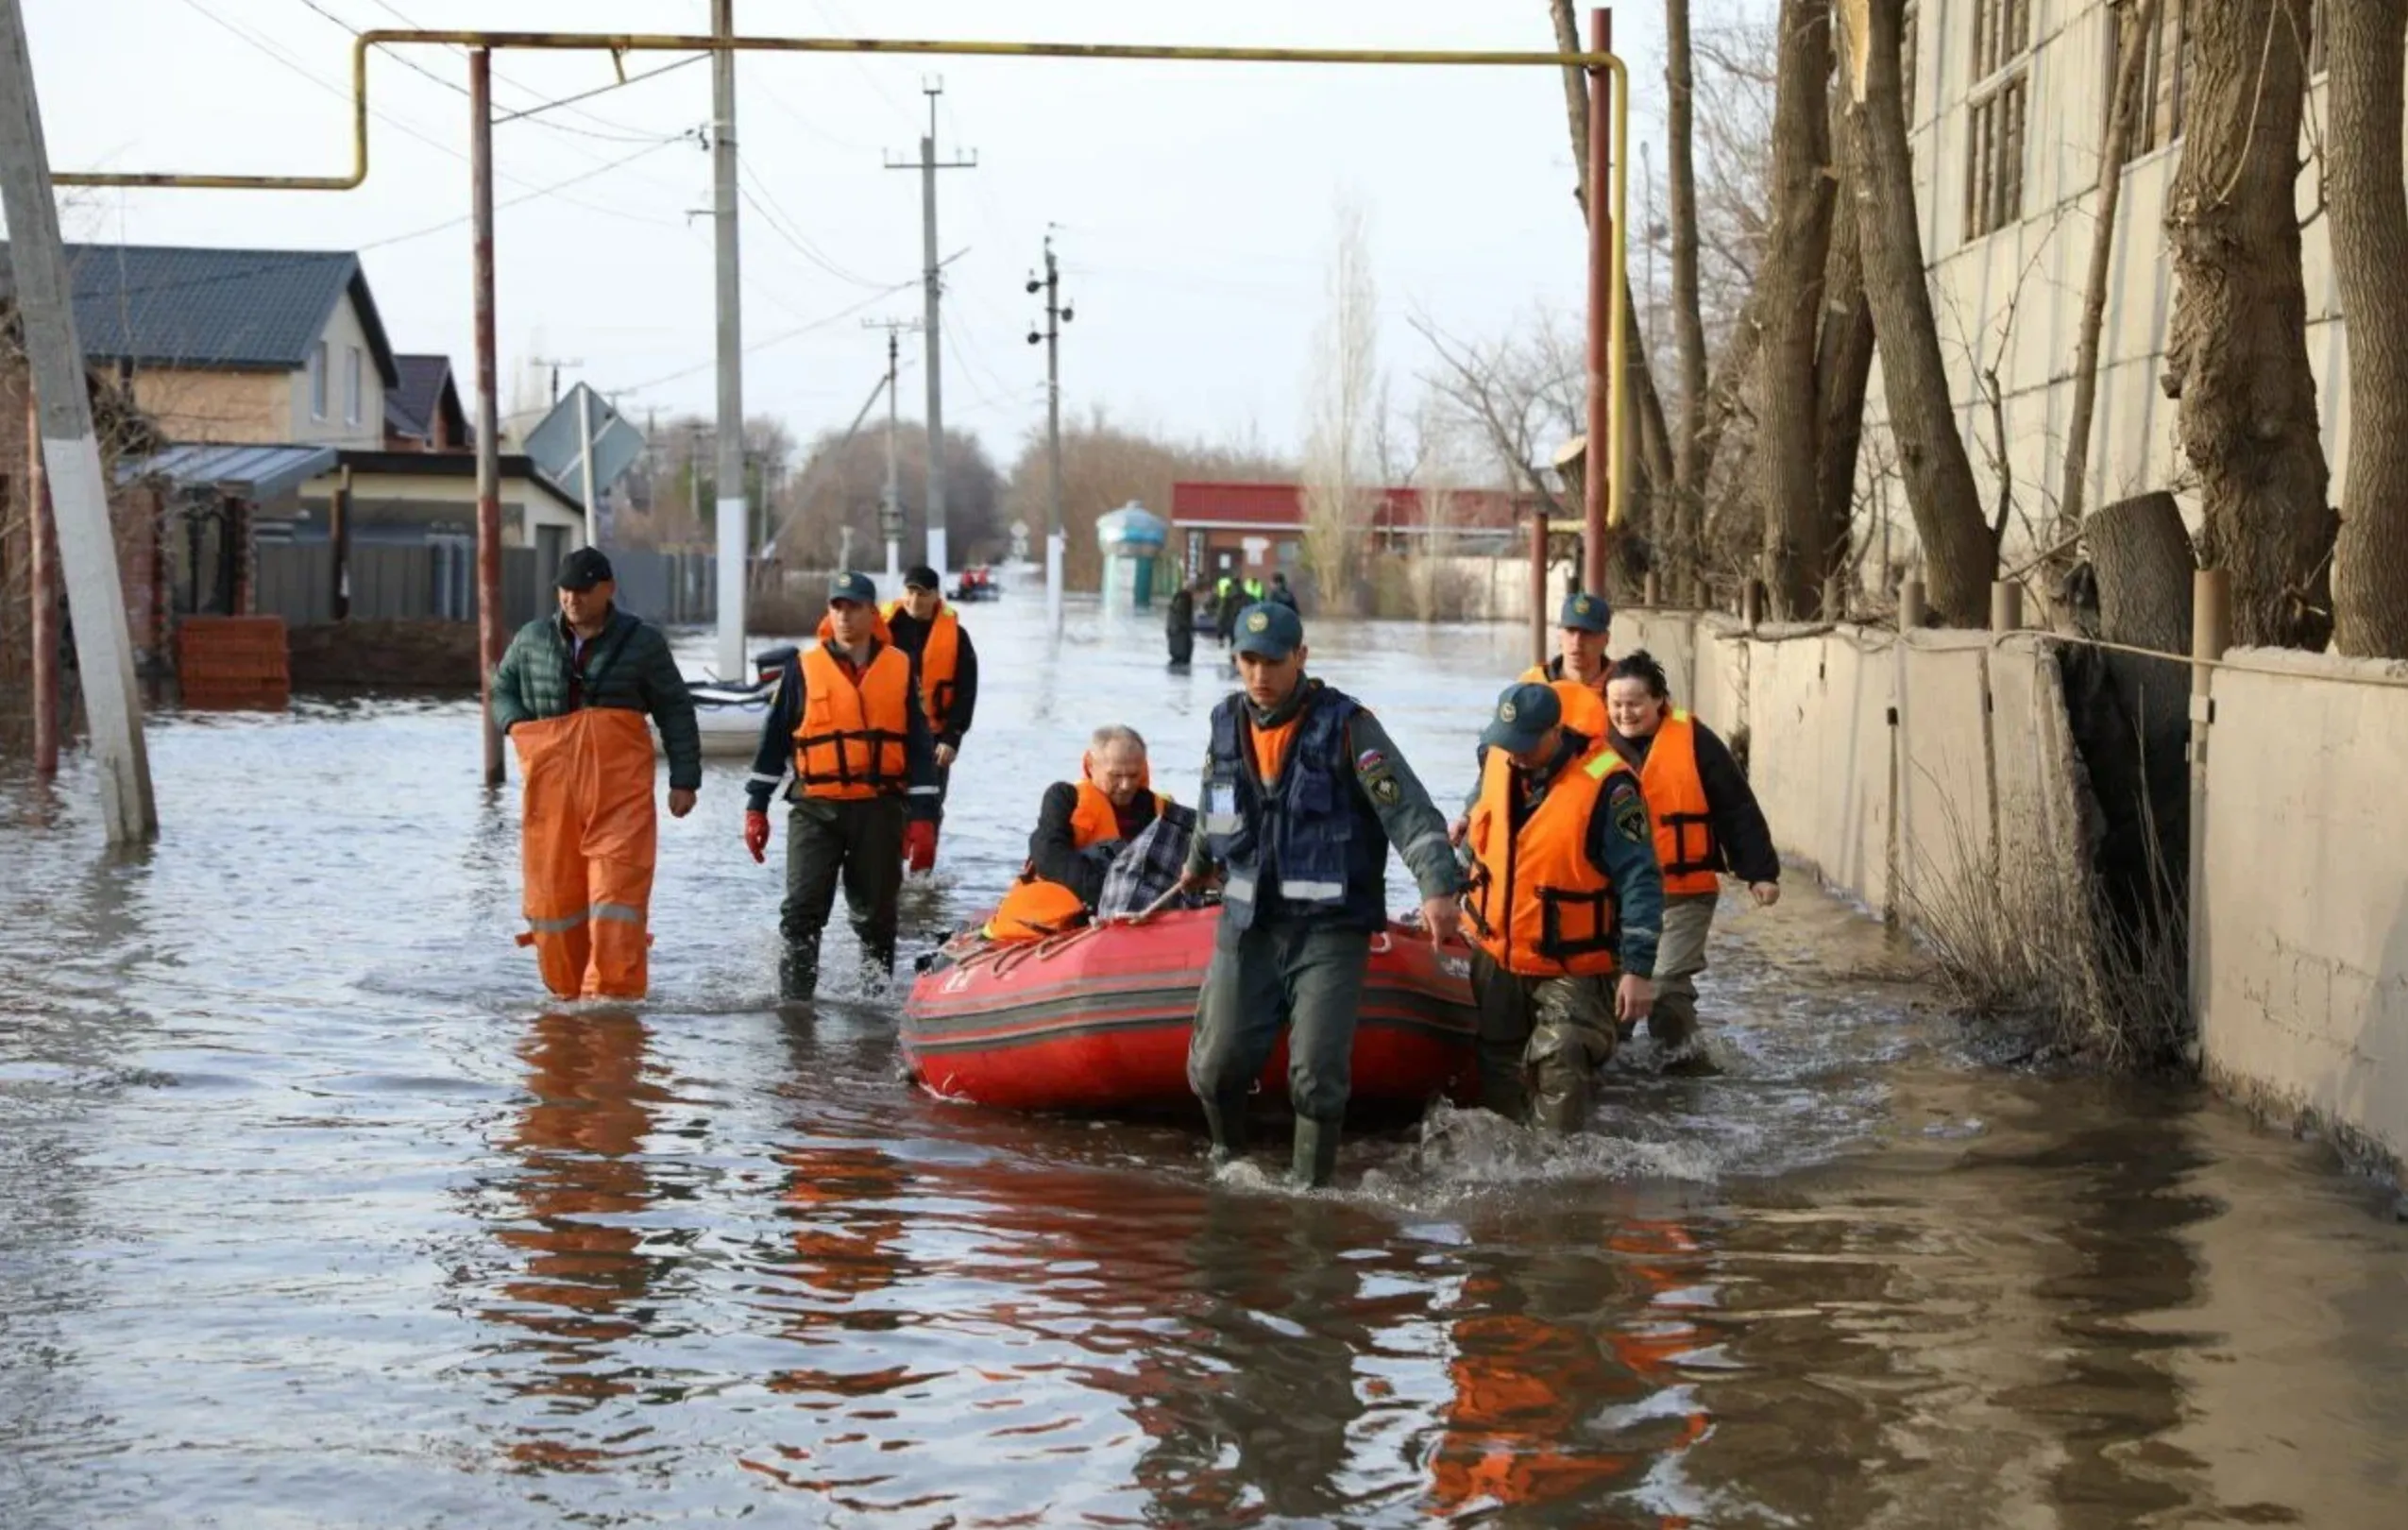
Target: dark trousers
{"points": [[861, 842], [1541, 1042], [1182, 641], [1307, 981]]}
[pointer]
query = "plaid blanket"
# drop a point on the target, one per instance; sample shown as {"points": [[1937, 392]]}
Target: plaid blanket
{"points": [[1149, 865]]}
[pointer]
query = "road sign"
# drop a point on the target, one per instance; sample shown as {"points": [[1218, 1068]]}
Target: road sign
{"points": [[557, 450]]}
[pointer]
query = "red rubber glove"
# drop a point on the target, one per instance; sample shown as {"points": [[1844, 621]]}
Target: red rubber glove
{"points": [[756, 835], [920, 844]]}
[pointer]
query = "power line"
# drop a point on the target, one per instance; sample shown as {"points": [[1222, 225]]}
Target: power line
{"points": [[782, 224], [538, 193], [600, 90], [820, 323]]}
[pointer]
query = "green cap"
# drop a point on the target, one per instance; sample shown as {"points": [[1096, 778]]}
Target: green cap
{"points": [[1584, 612], [1270, 630], [1524, 713]]}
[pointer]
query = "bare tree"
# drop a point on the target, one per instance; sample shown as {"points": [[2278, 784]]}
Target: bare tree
{"points": [[1688, 322], [1520, 398], [2237, 355], [2136, 35], [1790, 285], [1959, 551], [2370, 210], [1341, 434]]}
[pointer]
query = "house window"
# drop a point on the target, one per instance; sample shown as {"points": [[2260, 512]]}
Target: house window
{"points": [[317, 381], [351, 386], [2167, 66], [1996, 118]]}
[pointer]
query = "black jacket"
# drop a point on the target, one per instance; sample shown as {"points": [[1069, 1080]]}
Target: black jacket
{"points": [[1053, 849], [627, 666], [1739, 829], [911, 635]]}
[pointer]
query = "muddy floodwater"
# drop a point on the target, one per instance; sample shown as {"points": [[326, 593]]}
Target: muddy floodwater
{"points": [[312, 1212]]}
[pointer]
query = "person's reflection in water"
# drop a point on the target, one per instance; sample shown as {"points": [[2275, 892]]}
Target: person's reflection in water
{"points": [[1565, 1388], [584, 1282]]}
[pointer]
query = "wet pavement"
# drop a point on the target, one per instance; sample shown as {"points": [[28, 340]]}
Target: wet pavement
{"points": [[314, 1212]]}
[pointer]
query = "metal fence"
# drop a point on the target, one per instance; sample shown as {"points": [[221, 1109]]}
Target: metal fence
{"points": [[674, 588], [434, 581]]}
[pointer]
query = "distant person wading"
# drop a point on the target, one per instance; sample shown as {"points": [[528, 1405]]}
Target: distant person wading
{"points": [[931, 632]]}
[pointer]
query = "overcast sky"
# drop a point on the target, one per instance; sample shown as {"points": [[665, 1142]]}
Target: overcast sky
{"points": [[1194, 203]]}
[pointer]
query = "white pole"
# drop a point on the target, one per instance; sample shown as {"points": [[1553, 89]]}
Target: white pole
{"points": [[79, 495], [735, 513], [585, 472]]}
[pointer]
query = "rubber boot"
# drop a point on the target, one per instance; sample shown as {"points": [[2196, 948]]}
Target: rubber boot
{"points": [[1559, 1095], [798, 974], [1225, 1117], [1316, 1153], [1672, 1024]]}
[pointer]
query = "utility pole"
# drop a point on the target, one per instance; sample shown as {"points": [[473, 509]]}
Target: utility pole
{"points": [[735, 517], [1057, 314], [71, 451], [891, 502], [927, 165], [488, 400]]}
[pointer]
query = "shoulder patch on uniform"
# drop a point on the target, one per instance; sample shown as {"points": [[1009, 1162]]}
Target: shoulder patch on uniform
{"points": [[1630, 816], [1386, 790], [1369, 761]]}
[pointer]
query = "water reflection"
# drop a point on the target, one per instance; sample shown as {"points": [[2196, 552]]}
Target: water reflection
{"points": [[585, 1283]]}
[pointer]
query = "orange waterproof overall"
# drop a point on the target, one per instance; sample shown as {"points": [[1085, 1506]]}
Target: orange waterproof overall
{"points": [[588, 846]]}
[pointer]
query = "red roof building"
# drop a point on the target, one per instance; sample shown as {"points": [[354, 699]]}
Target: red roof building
{"points": [[1239, 529]]}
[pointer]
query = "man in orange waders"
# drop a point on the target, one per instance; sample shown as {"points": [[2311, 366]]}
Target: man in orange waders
{"points": [[1565, 908], [573, 693], [846, 721], [1578, 669], [930, 632]]}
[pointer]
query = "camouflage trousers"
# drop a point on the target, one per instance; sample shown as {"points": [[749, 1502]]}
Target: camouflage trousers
{"points": [[1541, 1042]]}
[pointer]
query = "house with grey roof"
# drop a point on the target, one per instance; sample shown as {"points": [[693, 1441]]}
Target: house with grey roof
{"points": [[423, 412], [280, 346]]}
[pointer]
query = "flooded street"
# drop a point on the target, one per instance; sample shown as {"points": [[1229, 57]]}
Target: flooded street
{"points": [[312, 1212]]}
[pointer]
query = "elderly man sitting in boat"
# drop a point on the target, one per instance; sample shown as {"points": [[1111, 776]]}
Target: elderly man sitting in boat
{"points": [[1107, 843]]}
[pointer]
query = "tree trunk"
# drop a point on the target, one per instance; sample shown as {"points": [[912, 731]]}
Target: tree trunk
{"points": [[1655, 455], [1959, 554], [2369, 212], [2237, 355], [1843, 365], [1790, 276], [2142, 561], [1690, 462], [2139, 39]]}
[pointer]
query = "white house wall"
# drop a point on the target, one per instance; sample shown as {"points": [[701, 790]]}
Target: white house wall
{"points": [[344, 330], [2040, 265]]}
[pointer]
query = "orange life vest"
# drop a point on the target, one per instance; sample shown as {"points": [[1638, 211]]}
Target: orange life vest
{"points": [[1034, 908], [1684, 842], [1584, 704], [1537, 906], [850, 743], [939, 662]]}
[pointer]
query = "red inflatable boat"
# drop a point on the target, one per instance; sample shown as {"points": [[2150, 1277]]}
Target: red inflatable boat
{"points": [[1098, 1019]]}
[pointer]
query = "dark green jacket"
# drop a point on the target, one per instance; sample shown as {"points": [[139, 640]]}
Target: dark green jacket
{"points": [[628, 667]]}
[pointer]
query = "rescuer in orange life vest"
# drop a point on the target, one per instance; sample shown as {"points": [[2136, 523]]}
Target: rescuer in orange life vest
{"points": [[846, 720], [1562, 910], [1081, 827], [931, 633], [573, 693], [1706, 822], [1578, 669]]}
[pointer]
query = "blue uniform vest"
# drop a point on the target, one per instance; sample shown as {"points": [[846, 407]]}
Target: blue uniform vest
{"points": [[1307, 848]]}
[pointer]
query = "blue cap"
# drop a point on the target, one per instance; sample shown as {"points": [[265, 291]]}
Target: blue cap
{"points": [[1524, 713], [1270, 630], [854, 587], [1584, 612]]}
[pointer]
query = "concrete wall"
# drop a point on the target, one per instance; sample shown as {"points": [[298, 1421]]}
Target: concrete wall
{"points": [[1890, 764], [2306, 910]]}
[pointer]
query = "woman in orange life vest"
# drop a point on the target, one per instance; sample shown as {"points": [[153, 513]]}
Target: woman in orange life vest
{"points": [[1563, 908], [1706, 823], [1578, 669], [1081, 827]]}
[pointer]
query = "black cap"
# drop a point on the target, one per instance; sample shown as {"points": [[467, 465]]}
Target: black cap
{"points": [[919, 576], [1269, 630], [854, 587], [1524, 713], [583, 569]]}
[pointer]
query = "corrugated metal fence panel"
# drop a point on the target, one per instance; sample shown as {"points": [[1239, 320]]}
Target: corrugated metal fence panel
{"points": [[644, 582], [520, 591], [296, 582], [392, 584]]}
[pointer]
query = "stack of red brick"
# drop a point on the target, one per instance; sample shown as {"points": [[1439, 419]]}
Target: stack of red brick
{"points": [[234, 663]]}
